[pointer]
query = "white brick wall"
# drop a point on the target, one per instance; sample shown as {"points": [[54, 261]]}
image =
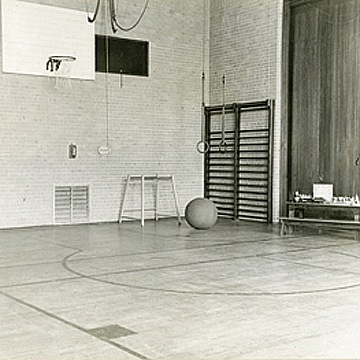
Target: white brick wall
{"points": [[154, 123], [245, 46]]}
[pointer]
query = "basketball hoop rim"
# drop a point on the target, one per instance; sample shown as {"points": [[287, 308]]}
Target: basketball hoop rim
{"points": [[62, 58]]}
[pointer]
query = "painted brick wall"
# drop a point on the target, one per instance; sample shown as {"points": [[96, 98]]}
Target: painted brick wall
{"points": [[154, 122], [245, 46]]}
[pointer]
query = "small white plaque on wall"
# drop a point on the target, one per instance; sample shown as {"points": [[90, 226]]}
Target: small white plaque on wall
{"points": [[324, 191]]}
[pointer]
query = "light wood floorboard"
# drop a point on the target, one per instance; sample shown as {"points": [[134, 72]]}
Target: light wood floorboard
{"points": [[236, 291]]}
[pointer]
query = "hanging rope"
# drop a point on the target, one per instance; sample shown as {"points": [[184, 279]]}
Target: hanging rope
{"points": [[107, 90], [115, 24], [91, 20], [203, 146], [105, 149], [112, 15], [222, 145]]}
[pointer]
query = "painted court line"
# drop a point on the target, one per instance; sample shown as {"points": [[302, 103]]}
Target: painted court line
{"points": [[66, 322]]}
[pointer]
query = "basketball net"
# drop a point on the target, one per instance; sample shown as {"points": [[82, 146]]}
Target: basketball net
{"points": [[63, 75]]}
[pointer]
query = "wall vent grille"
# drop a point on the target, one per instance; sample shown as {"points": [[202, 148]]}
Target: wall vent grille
{"points": [[71, 204]]}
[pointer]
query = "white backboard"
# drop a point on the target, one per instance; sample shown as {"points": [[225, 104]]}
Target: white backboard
{"points": [[32, 32]]}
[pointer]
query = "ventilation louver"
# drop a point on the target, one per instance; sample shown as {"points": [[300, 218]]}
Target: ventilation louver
{"points": [[71, 205]]}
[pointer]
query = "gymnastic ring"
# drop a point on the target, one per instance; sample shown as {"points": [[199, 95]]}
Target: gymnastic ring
{"points": [[222, 146], [205, 149]]}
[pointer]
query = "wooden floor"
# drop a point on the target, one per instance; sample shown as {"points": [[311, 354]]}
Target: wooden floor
{"points": [[237, 291]]}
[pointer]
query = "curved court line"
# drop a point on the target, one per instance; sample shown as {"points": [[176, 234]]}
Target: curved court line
{"points": [[234, 241], [64, 263], [172, 250]]}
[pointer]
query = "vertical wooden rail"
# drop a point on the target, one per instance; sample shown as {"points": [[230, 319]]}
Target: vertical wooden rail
{"points": [[175, 199], [156, 198], [142, 200], [124, 199], [237, 113], [271, 104], [207, 154]]}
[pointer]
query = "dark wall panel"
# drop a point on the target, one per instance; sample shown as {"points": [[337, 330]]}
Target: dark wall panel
{"points": [[324, 96], [345, 129], [306, 98], [117, 55]]}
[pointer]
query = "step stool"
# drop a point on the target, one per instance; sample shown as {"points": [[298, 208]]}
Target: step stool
{"points": [[133, 179]]}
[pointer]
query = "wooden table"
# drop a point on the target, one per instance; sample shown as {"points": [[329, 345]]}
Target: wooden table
{"points": [[297, 216]]}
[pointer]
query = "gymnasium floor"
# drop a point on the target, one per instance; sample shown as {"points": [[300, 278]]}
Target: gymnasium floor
{"points": [[237, 291]]}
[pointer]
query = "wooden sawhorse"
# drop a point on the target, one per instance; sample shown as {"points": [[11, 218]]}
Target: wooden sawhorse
{"points": [[131, 179]]}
